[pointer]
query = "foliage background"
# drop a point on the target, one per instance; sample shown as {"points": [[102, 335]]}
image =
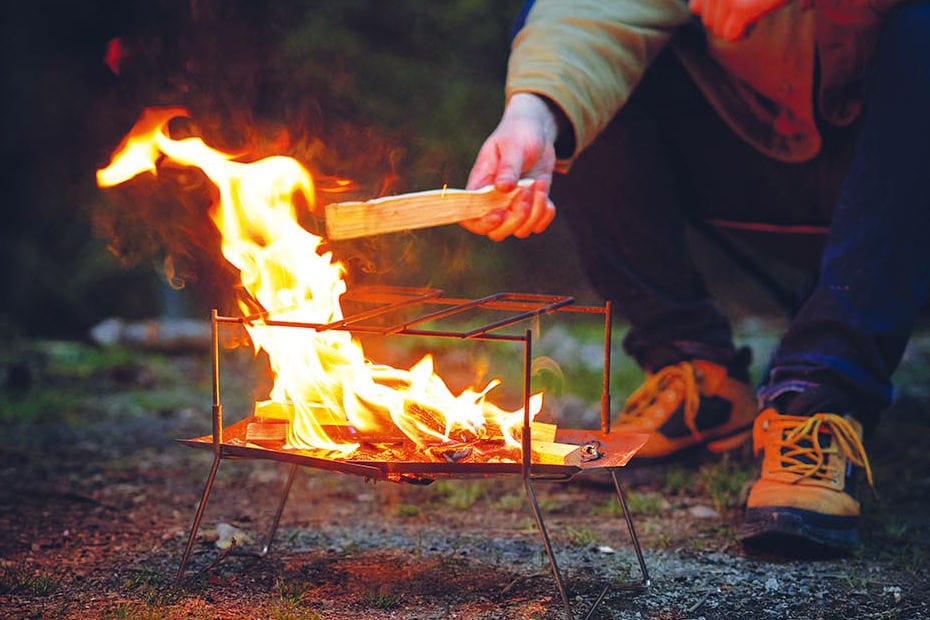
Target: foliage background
{"points": [[394, 95]]}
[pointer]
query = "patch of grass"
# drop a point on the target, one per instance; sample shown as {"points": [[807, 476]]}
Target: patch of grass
{"points": [[648, 504], [148, 611], [641, 504], [699, 544], [13, 581], [527, 524], [290, 603], [897, 530], [510, 502], [724, 482], [678, 480], [38, 406], [78, 360], [551, 504], [609, 507], [723, 532], [663, 541], [657, 533], [912, 558], [282, 610], [122, 612], [407, 511], [582, 536], [152, 588], [459, 495], [128, 382], [855, 582], [136, 611], [382, 599], [290, 591]]}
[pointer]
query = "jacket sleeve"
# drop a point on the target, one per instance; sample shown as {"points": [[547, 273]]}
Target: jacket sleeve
{"points": [[587, 56]]}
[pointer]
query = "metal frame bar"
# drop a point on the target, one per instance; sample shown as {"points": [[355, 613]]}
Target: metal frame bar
{"points": [[527, 307]]}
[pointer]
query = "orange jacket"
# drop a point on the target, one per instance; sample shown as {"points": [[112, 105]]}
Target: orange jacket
{"points": [[587, 56]]}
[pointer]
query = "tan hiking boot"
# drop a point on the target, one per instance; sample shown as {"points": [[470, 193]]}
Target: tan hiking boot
{"points": [[805, 491], [687, 405]]}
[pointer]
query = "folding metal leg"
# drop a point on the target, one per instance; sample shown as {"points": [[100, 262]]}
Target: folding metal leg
{"points": [[277, 517], [644, 582], [553, 564], [199, 515], [544, 534]]}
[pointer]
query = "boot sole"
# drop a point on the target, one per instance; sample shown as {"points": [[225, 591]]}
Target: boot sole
{"points": [[796, 532]]}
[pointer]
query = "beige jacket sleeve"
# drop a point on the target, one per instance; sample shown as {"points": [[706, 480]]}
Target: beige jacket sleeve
{"points": [[587, 56]]}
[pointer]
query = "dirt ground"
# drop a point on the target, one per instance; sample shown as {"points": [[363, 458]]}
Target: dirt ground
{"points": [[96, 501]]}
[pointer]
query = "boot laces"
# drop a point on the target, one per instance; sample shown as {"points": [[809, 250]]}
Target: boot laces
{"points": [[801, 452], [680, 385]]}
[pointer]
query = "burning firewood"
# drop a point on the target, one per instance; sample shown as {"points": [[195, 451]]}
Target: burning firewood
{"points": [[430, 418], [348, 220], [450, 454], [425, 425], [266, 430]]}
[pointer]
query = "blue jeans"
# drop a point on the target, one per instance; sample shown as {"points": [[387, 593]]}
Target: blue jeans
{"points": [[667, 158]]}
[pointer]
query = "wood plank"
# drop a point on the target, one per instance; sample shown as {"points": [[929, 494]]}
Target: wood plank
{"points": [[552, 453], [542, 431], [349, 220]]}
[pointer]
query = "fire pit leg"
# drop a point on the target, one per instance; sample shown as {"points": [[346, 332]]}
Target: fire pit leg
{"points": [[645, 582], [557, 574], [544, 534], [277, 517], [197, 517]]}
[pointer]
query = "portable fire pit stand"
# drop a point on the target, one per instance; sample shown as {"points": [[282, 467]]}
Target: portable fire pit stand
{"points": [[606, 451]]}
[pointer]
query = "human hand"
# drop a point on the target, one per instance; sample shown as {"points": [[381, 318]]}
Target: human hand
{"points": [[729, 19], [521, 147]]}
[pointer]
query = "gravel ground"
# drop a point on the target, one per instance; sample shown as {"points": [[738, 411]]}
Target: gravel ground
{"points": [[96, 502]]}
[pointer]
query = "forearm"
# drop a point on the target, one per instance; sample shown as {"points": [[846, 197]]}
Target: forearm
{"points": [[586, 57]]}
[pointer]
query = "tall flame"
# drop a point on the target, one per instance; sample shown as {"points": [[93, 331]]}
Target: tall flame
{"points": [[323, 377]]}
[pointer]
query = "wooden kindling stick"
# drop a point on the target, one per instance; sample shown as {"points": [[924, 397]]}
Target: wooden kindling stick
{"points": [[348, 220]]}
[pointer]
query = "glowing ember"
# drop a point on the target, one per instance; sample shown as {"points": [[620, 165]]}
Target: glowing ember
{"points": [[323, 382]]}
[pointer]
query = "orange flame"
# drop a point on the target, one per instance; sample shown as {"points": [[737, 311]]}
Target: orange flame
{"points": [[323, 380]]}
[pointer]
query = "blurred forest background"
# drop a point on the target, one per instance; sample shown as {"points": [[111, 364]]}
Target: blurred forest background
{"points": [[397, 96]]}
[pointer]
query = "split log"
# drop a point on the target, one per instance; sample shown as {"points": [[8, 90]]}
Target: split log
{"points": [[286, 411], [266, 430], [272, 417], [274, 410], [348, 220], [434, 420]]}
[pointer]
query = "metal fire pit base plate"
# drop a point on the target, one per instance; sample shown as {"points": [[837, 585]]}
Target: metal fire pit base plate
{"points": [[617, 449]]}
